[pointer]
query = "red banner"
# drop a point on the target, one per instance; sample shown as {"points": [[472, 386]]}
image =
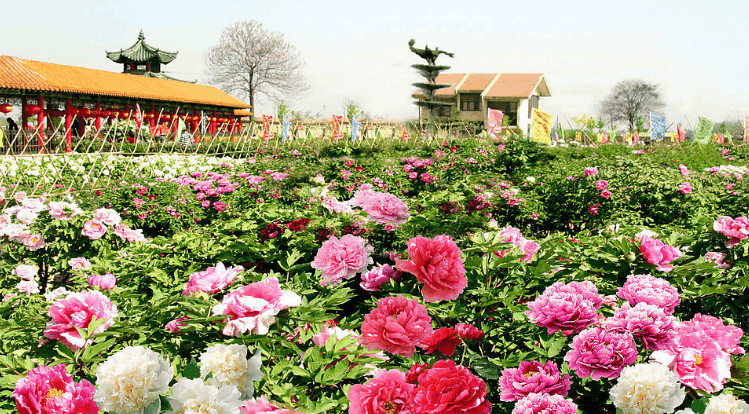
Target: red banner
{"points": [[681, 134], [267, 134], [404, 133], [746, 128], [138, 117], [337, 134]]}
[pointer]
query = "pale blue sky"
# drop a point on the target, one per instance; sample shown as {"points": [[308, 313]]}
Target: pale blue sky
{"points": [[695, 50]]}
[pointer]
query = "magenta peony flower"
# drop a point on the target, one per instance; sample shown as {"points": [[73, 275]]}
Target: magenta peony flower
{"points": [[736, 229], [106, 281], [77, 310], [388, 392], [253, 308], [211, 280], [601, 185], [650, 289], [437, 263], [545, 403], [697, 360], [590, 171], [373, 279], [600, 353], [93, 229], [606, 193], [396, 325], [382, 208], [568, 308], [658, 253], [446, 388], [443, 340], [341, 259], [51, 390], [727, 336], [512, 235], [685, 188], [468, 332], [646, 322], [533, 377], [175, 324]]}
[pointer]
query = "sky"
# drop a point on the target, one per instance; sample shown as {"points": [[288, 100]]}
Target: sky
{"points": [[358, 50]]}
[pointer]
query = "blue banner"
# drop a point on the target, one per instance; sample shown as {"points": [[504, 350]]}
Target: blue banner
{"points": [[657, 126], [354, 129], [285, 130]]}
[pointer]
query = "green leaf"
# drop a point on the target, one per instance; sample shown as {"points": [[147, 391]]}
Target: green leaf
{"points": [[698, 406], [191, 370], [95, 349]]}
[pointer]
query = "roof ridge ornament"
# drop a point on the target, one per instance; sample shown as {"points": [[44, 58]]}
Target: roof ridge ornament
{"points": [[141, 36]]}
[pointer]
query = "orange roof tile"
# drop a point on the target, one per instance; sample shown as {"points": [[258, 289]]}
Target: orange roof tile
{"points": [[476, 82], [514, 85], [16, 73], [242, 112]]}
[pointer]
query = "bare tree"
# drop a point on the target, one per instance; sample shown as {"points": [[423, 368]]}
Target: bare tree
{"points": [[630, 99], [249, 61]]}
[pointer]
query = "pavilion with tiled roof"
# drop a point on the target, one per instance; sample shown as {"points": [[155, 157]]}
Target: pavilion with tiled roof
{"points": [[141, 58], [515, 94], [43, 90]]}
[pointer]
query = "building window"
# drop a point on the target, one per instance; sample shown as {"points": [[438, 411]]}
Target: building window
{"points": [[532, 104], [470, 102]]}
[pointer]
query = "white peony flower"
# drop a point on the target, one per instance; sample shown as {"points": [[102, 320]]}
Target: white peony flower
{"points": [[726, 404], [128, 381], [229, 365], [647, 389], [193, 396]]}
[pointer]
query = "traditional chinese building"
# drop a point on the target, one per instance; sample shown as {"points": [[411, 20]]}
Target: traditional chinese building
{"points": [[41, 91]]}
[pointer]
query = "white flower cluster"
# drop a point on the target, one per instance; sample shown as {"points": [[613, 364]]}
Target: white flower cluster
{"points": [[228, 365], [647, 389], [726, 404]]}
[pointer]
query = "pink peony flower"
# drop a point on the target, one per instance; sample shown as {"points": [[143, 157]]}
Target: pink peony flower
{"points": [[601, 185], [26, 272], [736, 229], [341, 259], [386, 393], [685, 188], [533, 377], [719, 259], [263, 406], [29, 287], [106, 281], [443, 340], [51, 390], [544, 403], [658, 253], [447, 388], [727, 336], [107, 216], [590, 171], [683, 169], [468, 332], [697, 360], [77, 310], [568, 308], [175, 324], [79, 263], [93, 229], [650, 289], [336, 206], [593, 209], [512, 235], [646, 322], [34, 242], [385, 208], [253, 308], [373, 279], [396, 325], [605, 193], [600, 353], [322, 337], [435, 262], [211, 280]]}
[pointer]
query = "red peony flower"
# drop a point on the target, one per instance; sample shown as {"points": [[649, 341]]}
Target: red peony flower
{"points": [[386, 393], [443, 340], [437, 263], [468, 332], [397, 325], [447, 388], [412, 376]]}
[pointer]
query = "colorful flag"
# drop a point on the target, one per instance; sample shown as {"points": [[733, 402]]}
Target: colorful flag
{"points": [[354, 129], [337, 134], [703, 131], [605, 138], [719, 138], [657, 126], [267, 134], [404, 133], [541, 129], [746, 128], [636, 136], [681, 134], [138, 117], [494, 121], [285, 124], [555, 133]]}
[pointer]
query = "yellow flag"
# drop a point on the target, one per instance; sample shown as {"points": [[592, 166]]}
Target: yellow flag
{"points": [[541, 129]]}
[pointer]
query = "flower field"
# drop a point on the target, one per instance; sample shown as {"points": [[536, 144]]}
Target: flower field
{"points": [[465, 276]]}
